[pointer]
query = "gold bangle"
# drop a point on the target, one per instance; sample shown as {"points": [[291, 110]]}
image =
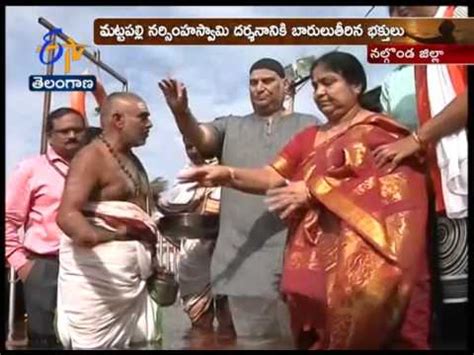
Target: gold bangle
{"points": [[232, 173], [418, 140], [309, 197]]}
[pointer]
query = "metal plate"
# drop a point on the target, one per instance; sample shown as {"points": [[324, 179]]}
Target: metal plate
{"points": [[189, 225]]}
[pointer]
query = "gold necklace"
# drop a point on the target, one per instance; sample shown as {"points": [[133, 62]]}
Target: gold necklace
{"points": [[122, 166]]}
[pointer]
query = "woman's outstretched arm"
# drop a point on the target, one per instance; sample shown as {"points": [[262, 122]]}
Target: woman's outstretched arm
{"points": [[255, 181]]}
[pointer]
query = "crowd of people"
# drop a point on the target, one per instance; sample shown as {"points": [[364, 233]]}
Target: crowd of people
{"points": [[331, 228]]}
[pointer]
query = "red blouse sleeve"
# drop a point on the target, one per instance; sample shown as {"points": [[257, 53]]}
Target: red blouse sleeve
{"points": [[287, 161]]}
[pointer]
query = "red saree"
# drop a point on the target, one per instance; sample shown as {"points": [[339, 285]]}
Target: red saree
{"points": [[351, 260]]}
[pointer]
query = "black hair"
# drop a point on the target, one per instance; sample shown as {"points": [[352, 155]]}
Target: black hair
{"points": [[92, 132], [346, 65], [58, 113], [446, 27], [270, 64]]}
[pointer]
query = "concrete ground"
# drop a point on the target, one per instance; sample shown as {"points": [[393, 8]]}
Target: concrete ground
{"points": [[176, 336]]}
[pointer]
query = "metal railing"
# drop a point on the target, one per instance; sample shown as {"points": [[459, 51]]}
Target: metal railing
{"points": [[11, 303]]}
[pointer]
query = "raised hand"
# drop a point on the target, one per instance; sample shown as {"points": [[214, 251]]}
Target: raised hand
{"points": [[175, 94]]}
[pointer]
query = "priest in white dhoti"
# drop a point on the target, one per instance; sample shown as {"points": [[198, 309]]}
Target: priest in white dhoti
{"points": [[107, 254], [103, 301]]}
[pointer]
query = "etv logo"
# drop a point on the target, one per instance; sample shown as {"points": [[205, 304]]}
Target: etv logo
{"points": [[74, 50]]}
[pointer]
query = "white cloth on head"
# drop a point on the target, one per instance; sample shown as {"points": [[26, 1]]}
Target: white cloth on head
{"points": [[181, 197], [195, 254], [451, 150], [103, 301], [185, 197]]}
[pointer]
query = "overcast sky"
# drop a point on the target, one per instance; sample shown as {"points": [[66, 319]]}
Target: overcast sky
{"points": [[216, 76]]}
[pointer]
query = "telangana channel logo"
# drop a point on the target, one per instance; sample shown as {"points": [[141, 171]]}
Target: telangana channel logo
{"points": [[51, 52]]}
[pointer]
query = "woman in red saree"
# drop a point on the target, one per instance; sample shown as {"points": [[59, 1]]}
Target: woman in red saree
{"points": [[356, 231]]}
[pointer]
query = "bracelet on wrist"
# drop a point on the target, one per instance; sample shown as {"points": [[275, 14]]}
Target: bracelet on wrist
{"points": [[232, 174], [309, 197], [417, 139]]}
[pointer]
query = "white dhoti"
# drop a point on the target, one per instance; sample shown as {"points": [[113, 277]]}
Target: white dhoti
{"points": [[194, 277], [194, 266], [103, 300]]}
